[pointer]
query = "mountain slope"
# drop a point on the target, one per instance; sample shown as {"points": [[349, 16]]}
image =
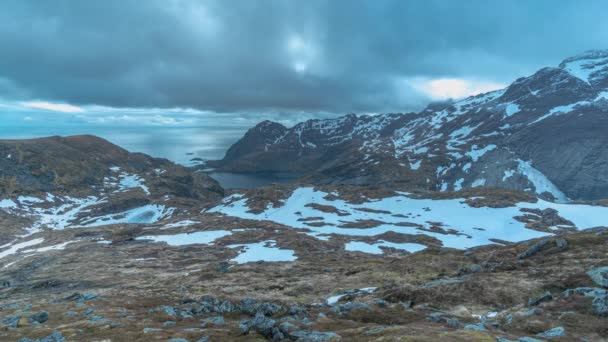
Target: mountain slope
{"points": [[544, 133]]}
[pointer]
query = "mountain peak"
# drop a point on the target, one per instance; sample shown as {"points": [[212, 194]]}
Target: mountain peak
{"points": [[590, 66]]}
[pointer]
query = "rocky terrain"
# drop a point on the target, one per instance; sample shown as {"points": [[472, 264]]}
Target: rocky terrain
{"points": [[391, 235], [544, 133]]}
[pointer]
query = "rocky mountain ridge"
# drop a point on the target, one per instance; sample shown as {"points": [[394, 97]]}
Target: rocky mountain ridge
{"points": [[544, 133]]}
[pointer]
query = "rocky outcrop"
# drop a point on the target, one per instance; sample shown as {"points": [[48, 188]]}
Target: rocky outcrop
{"points": [[80, 165]]}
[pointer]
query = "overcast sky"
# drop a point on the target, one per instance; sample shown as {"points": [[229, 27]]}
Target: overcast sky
{"points": [[281, 56]]}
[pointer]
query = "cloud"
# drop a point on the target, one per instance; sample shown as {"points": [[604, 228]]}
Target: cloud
{"points": [[452, 88], [281, 56], [54, 107]]}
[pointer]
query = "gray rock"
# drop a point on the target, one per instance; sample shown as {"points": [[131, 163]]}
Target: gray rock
{"points": [[170, 311], [89, 311], [381, 303], [527, 339], [375, 330], [599, 275], [71, 313], [215, 320], [476, 327], [177, 340], [11, 321], [169, 324], [96, 319], [555, 332], [453, 323], [115, 325], [252, 306], [535, 248], [259, 323], [435, 317], [545, 297], [561, 243], [297, 310], [203, 339], [39, 317], [315, 336], [223, 267], [53, 337], [600, 298], [150, 330]]}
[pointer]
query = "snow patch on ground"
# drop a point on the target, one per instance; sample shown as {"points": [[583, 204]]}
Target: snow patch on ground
{"points": [[262, 251], [202, 238], [540, 181], [374, 248]]}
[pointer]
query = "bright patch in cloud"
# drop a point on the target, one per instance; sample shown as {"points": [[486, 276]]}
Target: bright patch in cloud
{"points": [[452, 88], [55, 107]]}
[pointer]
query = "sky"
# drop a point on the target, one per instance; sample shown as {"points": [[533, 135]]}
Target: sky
{"points": [[185, 62]]}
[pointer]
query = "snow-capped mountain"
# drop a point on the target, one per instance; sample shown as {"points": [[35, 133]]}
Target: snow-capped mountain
{"points": [[545, 133]]}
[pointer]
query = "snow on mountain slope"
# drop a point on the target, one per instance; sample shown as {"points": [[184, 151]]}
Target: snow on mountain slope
{"points": [[476, 138]]}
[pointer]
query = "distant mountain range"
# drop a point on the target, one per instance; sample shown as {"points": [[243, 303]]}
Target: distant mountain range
{"points": [[546, 133]]}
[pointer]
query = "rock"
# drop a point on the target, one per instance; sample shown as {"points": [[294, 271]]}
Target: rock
{"points": [[54, 337], [169, 324], [535, 248], [215, 320], [71, 313], [89, 311], [461, 311], [288, 328], [600, 298], [223, 267], [435, 317], [297, 310], [170, 311], [96, 319], [315, 336], [544, 298], [600, 304], [203, 339], [453, 323], [11, 321], [599, 275], [39, 317], [150, 330], [251, 306], [381, 303], [555, 332], [177, 340], [78, 297], [561, 243], [321, 315], [115, 325], [476, 327], [527, 339], [259, 323]]}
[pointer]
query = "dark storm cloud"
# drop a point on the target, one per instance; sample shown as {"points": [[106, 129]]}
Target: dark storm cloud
{"points": [[332, 56]]}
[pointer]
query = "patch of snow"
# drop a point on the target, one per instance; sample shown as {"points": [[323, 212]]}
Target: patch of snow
{"points": [[150, 213], [183, 223], [416, 165], [560, 109], [477, 153], [15, 248], [7, 203], [374, 248], [128, 181], [511, 109], [540, 181], [262, 251], [334, 299], [458, 184], [478, 182], [196, 238]]}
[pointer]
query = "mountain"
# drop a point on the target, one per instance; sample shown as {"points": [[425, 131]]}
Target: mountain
{"points": [[545, 133]]}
